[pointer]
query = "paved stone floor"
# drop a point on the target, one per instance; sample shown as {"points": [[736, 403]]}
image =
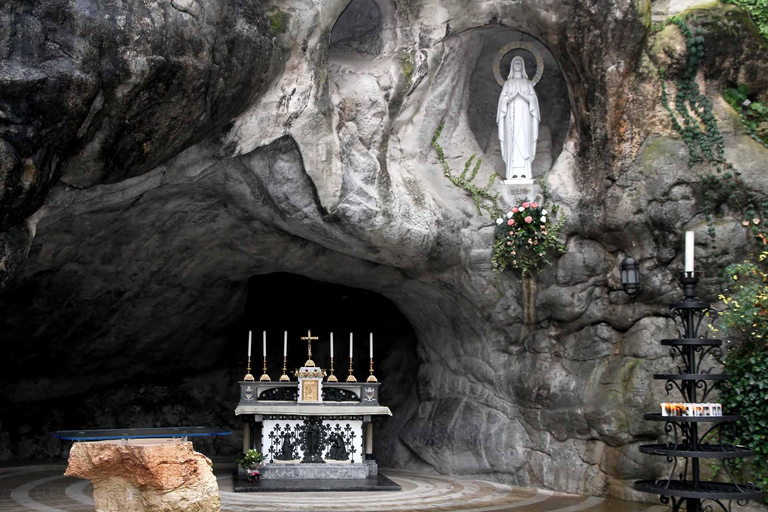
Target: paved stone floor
{"points": [[43, 488]]}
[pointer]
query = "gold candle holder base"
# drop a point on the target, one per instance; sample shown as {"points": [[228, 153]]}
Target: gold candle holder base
{"points": [[248, 375], [264, 377], [371, 377], [351, 377], [284, 377], [332, 377]]}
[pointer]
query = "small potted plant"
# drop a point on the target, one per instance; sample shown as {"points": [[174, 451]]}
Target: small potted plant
{"points": [[250, 465]]}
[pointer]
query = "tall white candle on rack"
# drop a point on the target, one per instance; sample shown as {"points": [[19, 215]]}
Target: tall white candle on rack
{"points": [[350, 345], [250, 335], [264, 343], [331, 345], [371, 347], [285, 344], [689, 251]]}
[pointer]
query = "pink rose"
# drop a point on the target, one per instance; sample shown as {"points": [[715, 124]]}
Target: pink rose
{"points": [[509, 243], [510, 222], [511, 232], [528, 219], [534, 205], [526, 205], [514, 210]]}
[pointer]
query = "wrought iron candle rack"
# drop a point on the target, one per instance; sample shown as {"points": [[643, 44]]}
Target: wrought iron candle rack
{"points": [[686, 442]]}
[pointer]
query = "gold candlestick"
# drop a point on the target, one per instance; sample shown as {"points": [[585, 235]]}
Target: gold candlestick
{"points": [[284, 377], [332, 377], [248, 375], [351, 377], [264, 377], [371, 377]]}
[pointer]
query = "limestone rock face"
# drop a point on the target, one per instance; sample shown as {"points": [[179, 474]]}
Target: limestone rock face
{"points": [[295, 138], [98, 91], [146, 476]]}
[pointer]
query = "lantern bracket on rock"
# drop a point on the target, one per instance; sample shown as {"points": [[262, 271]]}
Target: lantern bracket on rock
{"points": [[630, 276]]}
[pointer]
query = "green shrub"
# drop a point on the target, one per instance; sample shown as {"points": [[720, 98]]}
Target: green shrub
{"points": [[745, 322]]}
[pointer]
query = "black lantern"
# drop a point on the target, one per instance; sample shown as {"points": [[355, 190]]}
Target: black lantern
{"points": [[630, 276]]}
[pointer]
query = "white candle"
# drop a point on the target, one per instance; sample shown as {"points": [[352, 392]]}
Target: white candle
{"points": [[285, 344], [264, 343], [250, 335], [689, 251], [371, 348], [350, 345], [331, 345]]}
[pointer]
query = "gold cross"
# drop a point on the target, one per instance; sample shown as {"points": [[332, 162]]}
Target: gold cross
{"points": [[309, 339]]}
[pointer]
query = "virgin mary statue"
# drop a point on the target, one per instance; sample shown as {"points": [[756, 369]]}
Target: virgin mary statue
{"points": [[518, 120]]}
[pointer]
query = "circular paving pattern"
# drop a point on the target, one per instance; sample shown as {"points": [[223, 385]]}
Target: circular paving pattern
{"points": [[43, 488]]}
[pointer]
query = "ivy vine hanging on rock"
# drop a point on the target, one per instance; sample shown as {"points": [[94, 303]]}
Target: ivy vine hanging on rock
{"points": [[693, 118]]}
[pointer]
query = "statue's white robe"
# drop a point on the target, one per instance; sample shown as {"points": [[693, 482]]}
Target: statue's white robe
{"points": [[518, 120]]}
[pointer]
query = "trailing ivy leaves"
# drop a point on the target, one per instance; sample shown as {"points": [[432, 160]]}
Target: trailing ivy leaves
{"points": [[692, 117], [753, 114], [482, 197]]}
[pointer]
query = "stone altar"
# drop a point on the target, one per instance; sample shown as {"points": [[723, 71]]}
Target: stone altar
{"points": [[311, 429]]}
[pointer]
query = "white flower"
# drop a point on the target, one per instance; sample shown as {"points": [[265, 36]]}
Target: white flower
{"points": [[747, 103], [521, 208], [509, 215], [499, 220], [544, 212], [543, 220]]}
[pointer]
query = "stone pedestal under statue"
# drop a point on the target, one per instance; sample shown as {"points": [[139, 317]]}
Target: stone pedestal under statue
{"points": [[138, 475]]}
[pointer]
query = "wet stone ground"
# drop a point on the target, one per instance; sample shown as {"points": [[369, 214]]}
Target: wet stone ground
{"points": [[43, 488]]}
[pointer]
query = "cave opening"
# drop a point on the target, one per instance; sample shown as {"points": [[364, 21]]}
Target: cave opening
{"points": [[200, 386]]}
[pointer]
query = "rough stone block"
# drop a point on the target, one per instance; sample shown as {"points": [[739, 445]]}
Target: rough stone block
{"points": [[148, 475]]}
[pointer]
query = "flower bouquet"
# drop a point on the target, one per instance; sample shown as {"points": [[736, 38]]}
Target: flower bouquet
{"points": [[250, 465], [525, 236]]}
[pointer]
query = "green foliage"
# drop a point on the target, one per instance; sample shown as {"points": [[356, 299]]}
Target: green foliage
{"points": [[758, 11], [407, 66], [251, 460], [526, 236], [482, 197], [745, 322], [753, 114], [705, 143], [278, 21], [520, 245]]}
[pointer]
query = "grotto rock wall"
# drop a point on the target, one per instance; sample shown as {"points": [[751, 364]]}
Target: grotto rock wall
{"points": [[326, 171]]}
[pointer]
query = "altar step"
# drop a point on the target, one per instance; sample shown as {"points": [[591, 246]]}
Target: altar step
{"points": [[372, 483]]}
